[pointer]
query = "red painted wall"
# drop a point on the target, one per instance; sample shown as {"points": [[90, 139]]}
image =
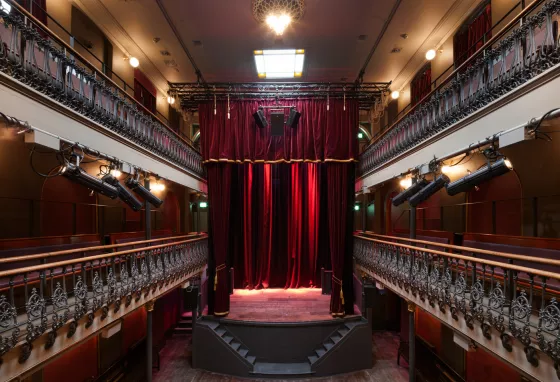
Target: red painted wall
{"points": [[133, 328], [429, 329], [78, 364], [482, 366]]}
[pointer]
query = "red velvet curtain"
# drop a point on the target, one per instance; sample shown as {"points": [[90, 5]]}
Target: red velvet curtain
{"points": [[320, 135], [219, 191], [421, 85], [277, 189], [470, 38]]}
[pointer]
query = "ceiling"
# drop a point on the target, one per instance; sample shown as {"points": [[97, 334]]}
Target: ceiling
{"points": [[329, 32]]}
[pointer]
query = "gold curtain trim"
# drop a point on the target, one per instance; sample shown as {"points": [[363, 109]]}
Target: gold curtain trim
{"points": [[337, 314], [221, 313], [279, 160]]}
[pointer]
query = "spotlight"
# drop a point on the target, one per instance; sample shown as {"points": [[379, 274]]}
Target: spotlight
{"points": [[203, 204], [430, 54], [422, 195], [395, 94], [488, 172], [133, 61], [143, 192], [293, 118], [76, 174], [413, 189], [259, 118], [125, 195]]}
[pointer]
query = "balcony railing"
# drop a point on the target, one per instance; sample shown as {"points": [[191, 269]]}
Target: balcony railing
{"points": [[35, 56], [482, 288], [46, 299], [523, 49]]}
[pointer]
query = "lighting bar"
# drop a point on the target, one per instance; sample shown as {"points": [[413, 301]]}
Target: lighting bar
{"points": [[500, 167], [143, 192], [413, 189], [429, 190]]}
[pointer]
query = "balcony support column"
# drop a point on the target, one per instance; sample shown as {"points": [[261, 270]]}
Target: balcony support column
{"points": [[411, 342], [149, 339]]}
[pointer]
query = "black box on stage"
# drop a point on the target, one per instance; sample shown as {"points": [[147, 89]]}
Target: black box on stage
{"points": [[190, 300], [277, 124], [326, 281]]}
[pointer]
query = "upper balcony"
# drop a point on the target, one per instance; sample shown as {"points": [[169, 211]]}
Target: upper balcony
{"points": [[508, 81], [44, 67]]}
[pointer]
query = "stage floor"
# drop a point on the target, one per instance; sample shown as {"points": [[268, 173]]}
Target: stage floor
{"points": [[279, 305]]}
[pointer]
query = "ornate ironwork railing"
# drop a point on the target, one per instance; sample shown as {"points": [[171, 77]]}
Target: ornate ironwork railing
{"points": [[43, 299], [509, 59], [518, 303], [34, 55]]}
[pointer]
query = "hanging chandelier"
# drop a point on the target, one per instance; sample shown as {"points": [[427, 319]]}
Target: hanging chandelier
{"points": [[278, 14]]}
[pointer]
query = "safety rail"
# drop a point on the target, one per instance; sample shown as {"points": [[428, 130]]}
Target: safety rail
{"points": [[523, 49], [517, 302], [31, 53], [80, 291], [43, 257]]}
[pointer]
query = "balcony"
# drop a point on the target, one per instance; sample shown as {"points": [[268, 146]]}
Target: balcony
{"points": [[505, 302], [522, 53], [33, 56]]}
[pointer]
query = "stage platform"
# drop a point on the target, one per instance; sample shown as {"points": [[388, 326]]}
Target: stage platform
{"points": [[281, 333]]}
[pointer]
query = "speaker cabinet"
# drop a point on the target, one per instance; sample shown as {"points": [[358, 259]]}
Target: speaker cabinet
{"points": [[277, 124]]}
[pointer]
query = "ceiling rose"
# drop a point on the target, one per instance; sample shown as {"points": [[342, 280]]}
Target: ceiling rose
{"points": [[278, 14]]}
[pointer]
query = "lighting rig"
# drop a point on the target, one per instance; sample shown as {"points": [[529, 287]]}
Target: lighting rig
{"points": [[191, 94]]}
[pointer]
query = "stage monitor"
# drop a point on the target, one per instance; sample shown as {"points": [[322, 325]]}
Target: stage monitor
{"points": [[277, 123], [293, 118], [260, 119]]}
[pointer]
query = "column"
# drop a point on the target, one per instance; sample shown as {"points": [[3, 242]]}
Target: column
{"points": [[149, 339], [147, 216], [411, 342]]}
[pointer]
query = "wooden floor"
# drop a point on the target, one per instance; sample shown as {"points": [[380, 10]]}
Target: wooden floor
{"points": [[176, 364], [279, 305]]}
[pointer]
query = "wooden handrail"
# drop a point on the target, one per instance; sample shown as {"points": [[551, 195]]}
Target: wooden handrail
{"points": [[37, 268], [89, 249], [74, 53], [528, 9], [473, 250], [532, 271]]}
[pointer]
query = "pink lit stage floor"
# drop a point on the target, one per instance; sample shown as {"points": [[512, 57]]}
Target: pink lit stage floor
{"points": [[279, 305]]}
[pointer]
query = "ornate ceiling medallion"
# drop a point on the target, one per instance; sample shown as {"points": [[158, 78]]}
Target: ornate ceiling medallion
{"points": [[278, 14]]}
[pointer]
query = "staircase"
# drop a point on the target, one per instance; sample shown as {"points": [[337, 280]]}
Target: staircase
{"points": [[215, 340], [184, 325]]}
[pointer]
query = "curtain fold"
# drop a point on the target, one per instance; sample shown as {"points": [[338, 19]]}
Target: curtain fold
{"points": [[219, 191], [469, 39]]}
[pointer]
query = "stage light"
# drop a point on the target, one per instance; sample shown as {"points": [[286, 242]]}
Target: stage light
{"points": [[500, 167], [203, 204], [413, 189], [133, 61], [395, 94], [76, 174], [260, 120], [422, 195], [356, 207], [125, 195], [293, 118], [430, 54], [5, 7], [406, 182], [143, 192]]}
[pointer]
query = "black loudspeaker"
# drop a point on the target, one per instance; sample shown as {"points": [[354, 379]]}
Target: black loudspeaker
{"points": [[260, 119], [326, 281], [190, 298], [277, 124], [293, 118]]}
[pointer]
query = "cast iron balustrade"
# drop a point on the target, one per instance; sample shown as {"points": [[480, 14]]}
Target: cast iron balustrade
{"points": [[517, 303], [35, 56], [46, 299], [511, 58]]}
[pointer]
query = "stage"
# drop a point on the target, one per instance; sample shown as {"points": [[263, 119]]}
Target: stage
{"points": [[281, 333]]}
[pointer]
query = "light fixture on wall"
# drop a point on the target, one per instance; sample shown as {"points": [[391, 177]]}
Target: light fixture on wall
{"points": [[413, 189], [395, 94], [430, 54], [425, 193], [170, 100], [203, 204], [487, 172], [133, 61], [278, 14], [406, 182], [115, 171], [157, 186]]}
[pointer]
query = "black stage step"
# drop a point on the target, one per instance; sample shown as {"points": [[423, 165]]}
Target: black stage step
{"points": [[281, 369]]}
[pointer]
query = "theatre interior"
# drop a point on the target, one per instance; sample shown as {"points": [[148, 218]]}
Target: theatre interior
{"points": [[266, 190]]}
